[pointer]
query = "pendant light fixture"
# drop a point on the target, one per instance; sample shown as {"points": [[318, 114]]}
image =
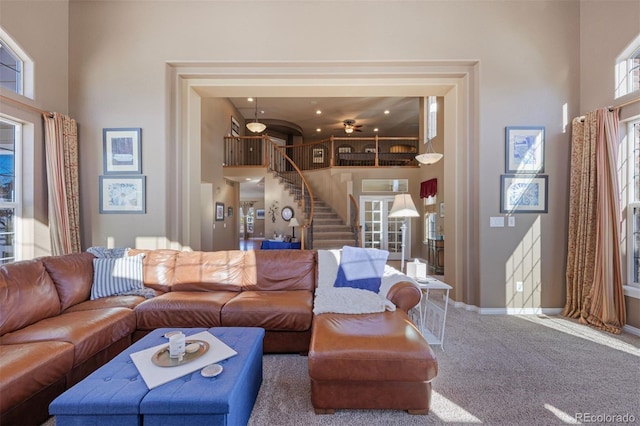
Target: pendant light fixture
{"points": [[255, 126], [430, 156]]}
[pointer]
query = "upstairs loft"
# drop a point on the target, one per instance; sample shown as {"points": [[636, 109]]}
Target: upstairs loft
{"points": [[333, 152]]}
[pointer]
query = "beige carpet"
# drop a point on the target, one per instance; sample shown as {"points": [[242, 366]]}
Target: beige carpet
{"points": [[495, 370]]}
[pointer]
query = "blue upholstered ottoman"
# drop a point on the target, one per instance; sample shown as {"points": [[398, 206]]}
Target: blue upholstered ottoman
{"points": [[116, 394]]}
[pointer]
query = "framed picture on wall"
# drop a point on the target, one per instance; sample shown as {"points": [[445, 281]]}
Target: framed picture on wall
{"points": [[318, 155], [122, 194], [122, 151], [219, 211], [524, 151], [523, 193], [260, 214]]}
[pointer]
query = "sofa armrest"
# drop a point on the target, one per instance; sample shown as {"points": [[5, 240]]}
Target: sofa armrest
{"points": [[404, 295]]}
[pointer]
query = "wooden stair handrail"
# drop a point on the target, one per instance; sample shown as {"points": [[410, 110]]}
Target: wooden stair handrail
{"points": [[305, 184], [356, 223]]}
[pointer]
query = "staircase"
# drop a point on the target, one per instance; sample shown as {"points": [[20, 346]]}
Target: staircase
{"points": [[329, 231]]}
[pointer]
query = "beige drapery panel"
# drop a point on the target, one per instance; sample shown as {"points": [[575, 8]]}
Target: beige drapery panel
{"points": [[594, 275], [61, 148]]}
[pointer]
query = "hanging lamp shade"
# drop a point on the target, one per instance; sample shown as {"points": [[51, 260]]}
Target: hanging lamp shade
{"points": [[255, 126], [430, 156]]}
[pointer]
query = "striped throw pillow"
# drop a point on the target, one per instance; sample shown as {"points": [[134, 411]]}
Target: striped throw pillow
{"points": [[113, 276]]}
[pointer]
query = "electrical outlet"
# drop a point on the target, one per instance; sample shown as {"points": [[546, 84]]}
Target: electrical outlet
{"points": [[519, 286]]}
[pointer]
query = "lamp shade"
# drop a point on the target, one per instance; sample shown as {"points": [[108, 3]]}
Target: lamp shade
{"points": [[256, 126], [293, 222], [403, 207], [429, 157]]}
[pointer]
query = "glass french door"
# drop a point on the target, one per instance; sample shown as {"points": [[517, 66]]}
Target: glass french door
{"points": [[379, 230]]}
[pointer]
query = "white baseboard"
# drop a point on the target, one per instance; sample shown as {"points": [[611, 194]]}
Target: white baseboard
{"points": [[506, 311], [631, 329]]}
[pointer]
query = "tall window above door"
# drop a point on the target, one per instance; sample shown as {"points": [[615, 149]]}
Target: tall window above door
{"points": [[10, 69], [16, 67]]}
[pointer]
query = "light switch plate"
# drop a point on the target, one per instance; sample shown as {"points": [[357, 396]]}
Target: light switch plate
{"points": [[511, 220], [496, 221]]}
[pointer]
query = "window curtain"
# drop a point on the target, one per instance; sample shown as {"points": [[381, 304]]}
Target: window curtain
{"points": [[594, 274], [61, 150], [429, 188]]}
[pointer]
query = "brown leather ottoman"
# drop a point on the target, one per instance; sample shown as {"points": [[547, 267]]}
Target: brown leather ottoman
{"points": [[370, 361]]}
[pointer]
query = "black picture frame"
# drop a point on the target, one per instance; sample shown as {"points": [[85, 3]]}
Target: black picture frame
{"points": [[219, 211], [521, 193]]}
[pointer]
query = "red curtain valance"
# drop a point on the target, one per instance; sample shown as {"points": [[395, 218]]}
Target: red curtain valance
{"points": [[429, 188]]}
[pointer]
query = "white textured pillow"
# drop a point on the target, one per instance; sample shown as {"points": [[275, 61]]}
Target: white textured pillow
{"points": [[113, 276]]}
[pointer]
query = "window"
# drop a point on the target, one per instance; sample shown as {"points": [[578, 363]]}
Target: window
{"points": [[10, 136], [631, 200], [628, 70], [10, 69], [432, 120]]}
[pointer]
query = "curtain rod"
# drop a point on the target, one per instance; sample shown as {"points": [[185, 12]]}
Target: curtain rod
{"points": [[24, 105], [629, 102], [612, 108]]}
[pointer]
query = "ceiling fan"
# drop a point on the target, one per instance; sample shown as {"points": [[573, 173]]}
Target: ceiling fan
{"points": [[350, 126]]}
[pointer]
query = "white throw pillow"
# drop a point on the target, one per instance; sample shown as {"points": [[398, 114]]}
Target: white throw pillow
{"points": [[113, 276]]}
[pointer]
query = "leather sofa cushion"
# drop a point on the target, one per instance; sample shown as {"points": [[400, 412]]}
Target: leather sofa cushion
{"points": [[27, 295], [271, 310], [282, 270], [209, 271], [72, 275], [89, 331], [182, 309], [158, 267], [369, 347], [108, 302], [29, 367]]}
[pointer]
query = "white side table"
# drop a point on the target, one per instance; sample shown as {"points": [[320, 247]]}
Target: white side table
{"points": [[433, 316]]}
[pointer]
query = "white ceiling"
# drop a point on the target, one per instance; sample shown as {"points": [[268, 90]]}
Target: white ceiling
{"points": [[369, 112]]}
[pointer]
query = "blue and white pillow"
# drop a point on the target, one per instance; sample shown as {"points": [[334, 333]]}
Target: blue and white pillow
{"points": [[361, 268], [112, 276]]}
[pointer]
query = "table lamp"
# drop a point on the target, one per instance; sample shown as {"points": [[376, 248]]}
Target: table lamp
{"points": [[292, 224], [403, 207]]}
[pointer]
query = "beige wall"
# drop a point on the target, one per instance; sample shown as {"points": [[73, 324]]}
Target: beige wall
{"points": [[531, 64]]}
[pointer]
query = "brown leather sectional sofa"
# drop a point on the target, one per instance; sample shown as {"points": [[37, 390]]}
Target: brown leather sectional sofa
{"points": [[52, 335]]}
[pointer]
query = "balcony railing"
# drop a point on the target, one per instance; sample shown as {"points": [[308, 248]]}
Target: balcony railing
{"points": [[333, 152]]}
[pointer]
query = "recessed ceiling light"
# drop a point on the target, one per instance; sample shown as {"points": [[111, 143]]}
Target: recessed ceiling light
{"points": [[386, 111], [318, 112], [318, 129], [375, 130], [247, 178], [250, 99]]}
